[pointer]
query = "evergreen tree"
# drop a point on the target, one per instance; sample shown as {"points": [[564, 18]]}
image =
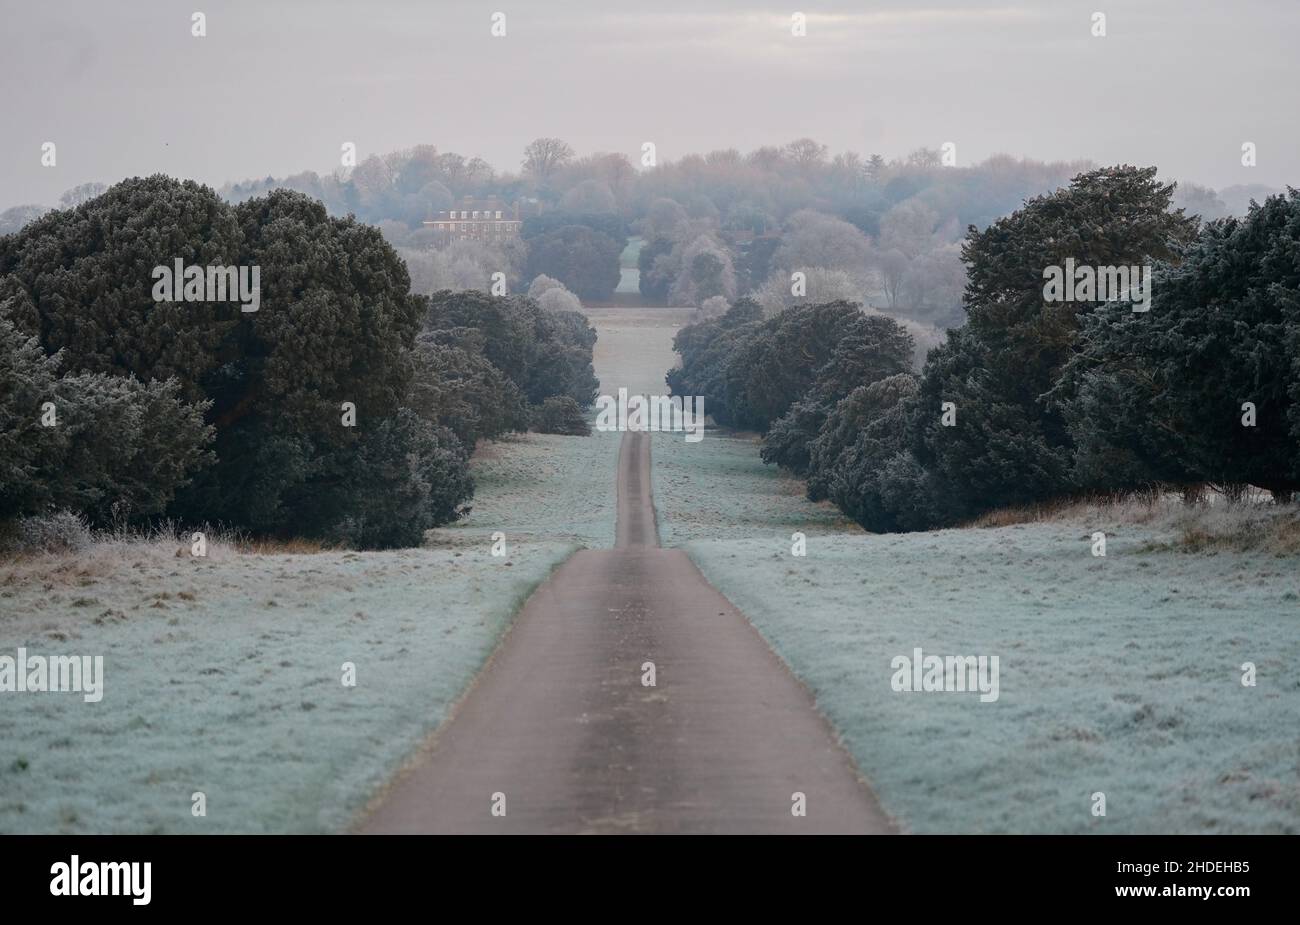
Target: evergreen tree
{"points": [[1156, 397], [1009, 446]]}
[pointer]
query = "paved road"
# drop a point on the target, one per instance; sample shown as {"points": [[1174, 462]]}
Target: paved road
{"points": [[561, 724]]}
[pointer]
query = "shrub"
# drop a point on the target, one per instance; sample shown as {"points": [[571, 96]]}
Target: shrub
{"points": [[115, 444], [560, 415], [406, 477], [459, 389], [60, 531]]}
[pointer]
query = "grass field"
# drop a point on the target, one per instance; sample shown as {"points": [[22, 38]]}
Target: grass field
{"points": [[719, 489], [1120, 675], [224, 675]]}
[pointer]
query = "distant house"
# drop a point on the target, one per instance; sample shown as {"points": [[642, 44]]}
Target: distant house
{"points": [[489, 220]]}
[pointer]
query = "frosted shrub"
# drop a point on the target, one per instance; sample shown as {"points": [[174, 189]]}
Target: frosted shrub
{"points": [[62, 531]]}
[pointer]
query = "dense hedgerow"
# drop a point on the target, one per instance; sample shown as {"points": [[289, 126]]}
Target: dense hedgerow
{"points": [[561, 415]]}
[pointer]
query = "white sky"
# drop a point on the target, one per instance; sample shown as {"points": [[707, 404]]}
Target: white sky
{"points": [[276, 87]]}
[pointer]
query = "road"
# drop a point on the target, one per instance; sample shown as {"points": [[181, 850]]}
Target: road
{"points": [[561, 733]]}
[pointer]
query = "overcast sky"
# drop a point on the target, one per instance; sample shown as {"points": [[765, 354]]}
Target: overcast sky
{"points": [[277, 86]]}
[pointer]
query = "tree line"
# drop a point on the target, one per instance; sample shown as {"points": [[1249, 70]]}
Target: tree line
{"points": [[1032, 400], [345, 408], [715, 226]]}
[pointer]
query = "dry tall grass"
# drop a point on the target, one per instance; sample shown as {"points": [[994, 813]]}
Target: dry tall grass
{"points": [[1251, 524], [109, 552]]}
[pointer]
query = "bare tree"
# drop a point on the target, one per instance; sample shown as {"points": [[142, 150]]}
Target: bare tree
{"points": [[806, 152], [891, 264], [79, 194], [544, 156]]}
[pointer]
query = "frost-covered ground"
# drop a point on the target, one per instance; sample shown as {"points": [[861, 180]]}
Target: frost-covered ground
{"points": [[629, 276], [635, 347], [718, 488], [225, 676], [1119, 675], [544, 485]]}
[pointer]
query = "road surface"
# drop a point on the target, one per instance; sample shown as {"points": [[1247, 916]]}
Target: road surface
{"points": [[562, 734]]}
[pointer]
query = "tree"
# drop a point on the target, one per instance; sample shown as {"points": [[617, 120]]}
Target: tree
{"points": [[502, 329], [931, 286], [705, 270], [662, 219], [871, 347], [564, 358], [892, 268], [83, 282], [586, 261], [925, 158], [1009, 446], [861, 460], [653, 264], [908, 228], [589, 196], [113, 448], [82, 193], [551, 295], [812, 239], [561, 415], [462, 391], [820, 286], [544, 156], [607, 223], [806, 152], [1156, 397], [406, 476], [544, 353], [335, 325], [1200, 201], [802, 347], [16, 218]]}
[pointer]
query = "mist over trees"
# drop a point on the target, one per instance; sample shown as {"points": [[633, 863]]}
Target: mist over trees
{"points": [[715, 226], [584, 260]]}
